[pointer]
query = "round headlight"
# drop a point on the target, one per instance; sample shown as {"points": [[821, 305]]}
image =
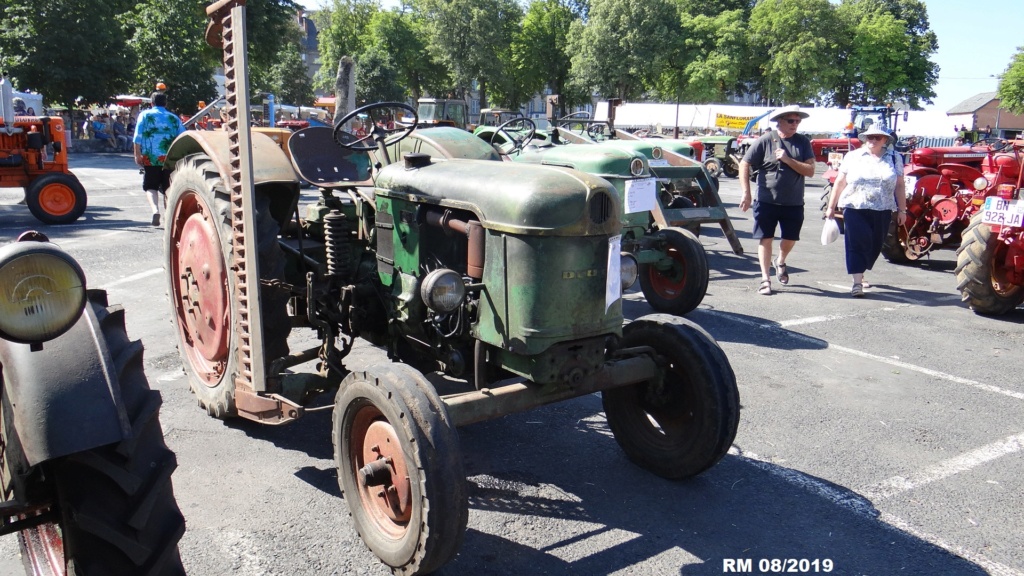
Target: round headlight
{"points": [[42, 292], [656, 153], [629, 270], [636, 167], [980, 183], [442, 290]]}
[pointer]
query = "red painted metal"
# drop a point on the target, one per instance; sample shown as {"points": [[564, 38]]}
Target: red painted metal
{"points": [[374, 439]]}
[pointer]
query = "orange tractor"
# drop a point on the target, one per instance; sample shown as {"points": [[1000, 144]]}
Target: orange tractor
{"points": [[33, 156]]}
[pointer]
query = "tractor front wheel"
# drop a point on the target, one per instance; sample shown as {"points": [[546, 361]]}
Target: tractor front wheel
{"points": [[56, 198], [713, 166], [679, 287], [684, 421], [400, 468], [980, 273], [730, 167], [203, 287]]}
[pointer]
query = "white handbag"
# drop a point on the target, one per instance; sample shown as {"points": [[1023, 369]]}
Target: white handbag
{"points": [[830, 231]]}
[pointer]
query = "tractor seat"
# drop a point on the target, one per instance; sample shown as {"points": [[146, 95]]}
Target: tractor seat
{"points": [[320, 160]]}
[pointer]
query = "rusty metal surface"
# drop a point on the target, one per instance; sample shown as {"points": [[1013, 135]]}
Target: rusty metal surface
{"points": [[270, 164]]}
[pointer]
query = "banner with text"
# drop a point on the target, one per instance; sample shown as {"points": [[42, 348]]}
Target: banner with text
{"points": [[732, 122]]}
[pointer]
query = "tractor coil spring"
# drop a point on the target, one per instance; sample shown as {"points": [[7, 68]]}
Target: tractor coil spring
{"points": [[339, 245]]}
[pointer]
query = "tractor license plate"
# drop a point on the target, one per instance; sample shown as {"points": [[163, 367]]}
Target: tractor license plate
{"points": [[657, 163], [1002, 212], [909, 182], [834, 158]]}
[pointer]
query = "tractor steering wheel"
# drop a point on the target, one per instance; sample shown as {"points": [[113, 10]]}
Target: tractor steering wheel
{"points": [[567, 121], [378, 133], [994, 144], [598, 130], [517, 143]]}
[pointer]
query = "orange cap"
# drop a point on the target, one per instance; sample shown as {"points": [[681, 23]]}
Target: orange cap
{"points": [[161, 86]]}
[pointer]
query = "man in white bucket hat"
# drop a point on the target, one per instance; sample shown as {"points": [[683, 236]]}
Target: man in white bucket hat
{"points": [[782, 159]]}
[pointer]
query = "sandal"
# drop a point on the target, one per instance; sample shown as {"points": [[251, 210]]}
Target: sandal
{"points": [[857, 291], [765, 289], [781, 272]]}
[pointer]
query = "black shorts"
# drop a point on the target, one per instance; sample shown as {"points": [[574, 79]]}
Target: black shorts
{"points": [[156, 178], [766, 216]]}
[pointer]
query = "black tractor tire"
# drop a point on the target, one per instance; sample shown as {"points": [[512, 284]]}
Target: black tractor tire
{"points": [[115, 504], [714, 167], [684, 422], [392, 414], [199, 214], [982, 286], [826, 192], [681, 288], [684, 202], [730, 168], [892, 249], [56, 198]]}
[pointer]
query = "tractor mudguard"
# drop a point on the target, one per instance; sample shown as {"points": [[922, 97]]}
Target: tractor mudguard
{"points": [[61, 396], [270, 161]]}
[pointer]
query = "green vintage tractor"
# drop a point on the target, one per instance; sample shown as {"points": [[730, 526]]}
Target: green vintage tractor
{"points": [[501, 280]]}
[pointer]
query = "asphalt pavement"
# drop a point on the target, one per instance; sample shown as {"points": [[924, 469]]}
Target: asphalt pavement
{"points": [[879, 436]]}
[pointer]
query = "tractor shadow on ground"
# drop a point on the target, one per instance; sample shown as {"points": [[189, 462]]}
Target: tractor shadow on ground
{"points": [[560, 462]]}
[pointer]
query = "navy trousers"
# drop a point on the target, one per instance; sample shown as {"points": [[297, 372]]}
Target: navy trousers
{"points": [[865, 232]]}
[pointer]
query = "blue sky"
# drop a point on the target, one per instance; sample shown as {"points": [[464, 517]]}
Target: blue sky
{"points": [[977, 39]]}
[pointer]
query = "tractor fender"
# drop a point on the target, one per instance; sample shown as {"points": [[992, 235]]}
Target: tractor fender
{"points": [[270, 162], [918, 171], [61, 397]]}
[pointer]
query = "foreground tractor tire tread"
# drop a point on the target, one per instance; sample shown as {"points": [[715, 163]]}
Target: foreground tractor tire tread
{"points": [[682, 288], [199, 174], [892, 249], [697, 411], [439, 506], [974, 272], [118, 515], [56, 198]]}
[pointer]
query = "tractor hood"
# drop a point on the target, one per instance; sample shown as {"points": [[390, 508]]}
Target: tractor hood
{"points": [[444, 142], [605, 161], [510, 197]]}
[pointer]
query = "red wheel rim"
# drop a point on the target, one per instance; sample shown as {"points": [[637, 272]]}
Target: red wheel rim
{"points": [[199, 288], [1003, 275], [669, 284], [57, 199], [389, 505]]}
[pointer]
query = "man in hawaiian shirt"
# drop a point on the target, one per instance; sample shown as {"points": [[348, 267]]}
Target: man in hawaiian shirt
{"points": [[155, 129]]}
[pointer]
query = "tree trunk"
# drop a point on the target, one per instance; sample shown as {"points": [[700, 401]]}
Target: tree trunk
{"points": [[483, 94]]}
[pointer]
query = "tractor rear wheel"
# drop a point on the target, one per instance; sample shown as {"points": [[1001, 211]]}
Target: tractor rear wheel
{"points": [[400, 468], [682, 423], [893, 249], [116, 512], [981, 279], [56, 198], [202, 282], [681, 286], [730, 167]]}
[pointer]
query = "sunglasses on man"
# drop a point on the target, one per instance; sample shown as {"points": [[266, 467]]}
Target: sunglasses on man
{"points": [[792, 120]]}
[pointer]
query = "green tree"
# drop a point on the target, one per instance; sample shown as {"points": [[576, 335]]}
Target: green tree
{"points": [[342, 33], [791, 40], [289, 80], [541, 47], [377, 78], [714, 8], [65, 49], [470, 37], [402, 36], [708, 60], [619, 52], [168, 43], [1011, 87]]}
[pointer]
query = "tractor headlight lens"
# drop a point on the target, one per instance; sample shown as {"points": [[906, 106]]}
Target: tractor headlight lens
{"points": [[629, 270], [442, 290], [42, 293], [636, 167], [980, 183], [656, 153]]}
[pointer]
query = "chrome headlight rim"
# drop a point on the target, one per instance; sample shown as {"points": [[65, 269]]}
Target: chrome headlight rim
{"points": [[629, 270], [636, 167], [657, 153], [980, 183], [443, 290], [16, 262]]}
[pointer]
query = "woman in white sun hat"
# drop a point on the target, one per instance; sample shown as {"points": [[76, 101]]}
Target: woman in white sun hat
{"points": [[869, 188]]}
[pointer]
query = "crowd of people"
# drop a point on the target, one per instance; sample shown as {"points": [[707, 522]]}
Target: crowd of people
{"points": [[116, 131]]}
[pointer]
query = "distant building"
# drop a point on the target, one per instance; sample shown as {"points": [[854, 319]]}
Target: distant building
{"points": [[310, 46], [983, 110]]}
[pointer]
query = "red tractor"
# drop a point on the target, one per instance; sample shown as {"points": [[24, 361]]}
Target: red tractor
{"points": [[990, 261], [33, 157]]}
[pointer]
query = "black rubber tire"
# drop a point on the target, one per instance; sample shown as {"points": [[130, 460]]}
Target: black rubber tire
{"points": [[892, 249], [196, 179], [401, 397], [713, 166], [825, 193], [681, 288], [116, 505], [730, 168], [70, 188], [696, 404], [977, 279], [682, 202]]}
